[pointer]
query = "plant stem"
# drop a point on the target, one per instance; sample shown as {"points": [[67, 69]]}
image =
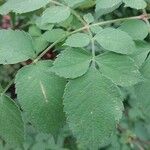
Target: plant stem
{"points": [[57, 3], [86, 27], [47, 49], [146, 19], [8, 86]]}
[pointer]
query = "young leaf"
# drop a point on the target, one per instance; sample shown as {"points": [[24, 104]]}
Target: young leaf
{"points": [[55, 14], [40, 94], [78, 40], [22, 6], [137, 29], [72, 63], [54, 35], [120, 69], [39, 44], [115, 40], [11, 124], [137, 4], [15, 46], [88, 18], [96, 29], [34, 31], [93, 105]]}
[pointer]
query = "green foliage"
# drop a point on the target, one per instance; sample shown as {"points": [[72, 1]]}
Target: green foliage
{"points": [[100, 100], [120, 68], [19, 49], [44, 106], [55, 14], [72, 63], [137, 29], [138, 4], [93, 91], [78, 40], [115, 40], [20, 6], [11, 124]]}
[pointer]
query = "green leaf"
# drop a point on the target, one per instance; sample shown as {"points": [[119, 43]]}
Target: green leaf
{"points": [[137, 29], [72, 63], [106, 6], [11, 124], [39, 44], [54, 35], [115, 40], [73, 3], [46, 26], [34, 31], [93, 105], [121, 69], [142, 91], [15, 46], [103, 4], [88, 18], [22, 6], [78, 40], [141, 52], [55, 14], [145, 70], [143, 98], [96, 29], [137, 4], [40, 94]]}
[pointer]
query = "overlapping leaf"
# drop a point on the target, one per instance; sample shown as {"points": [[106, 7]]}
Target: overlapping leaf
{"points": [[142, 91], [11, 124], [93, 105], [15, 46], [104, 7], [40, 94], [22, 6], [55, 14], [121, 69], [137, 29], [115, 40], [78, 40], [138, 4], [72, 63]]}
